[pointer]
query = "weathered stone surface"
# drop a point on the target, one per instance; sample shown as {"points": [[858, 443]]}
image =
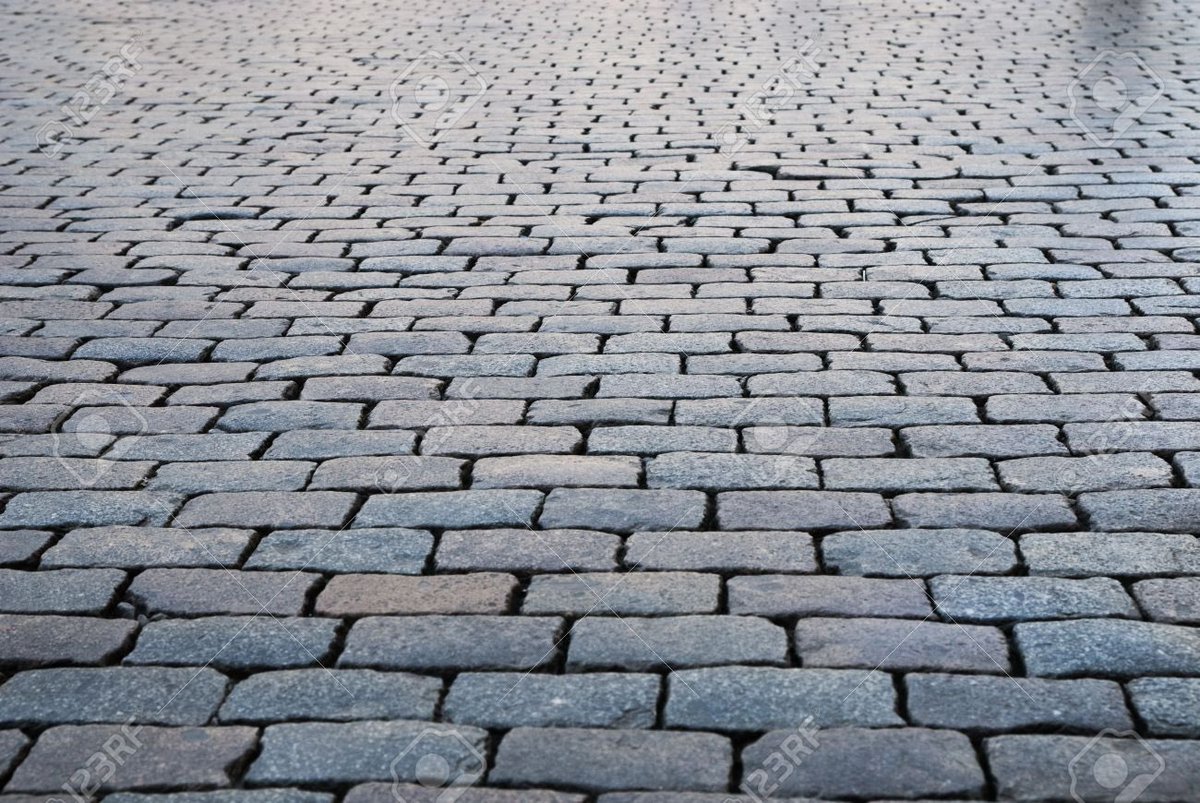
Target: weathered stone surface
{"points": [[151, 695], [819, 595], [502, 700], [337, 694], [373, 594], [745, 698], [869, 764], [235, 643], [1108, 647], [1168, 706], [36, 640], [384, 550], [600, 642], [602, 760], [433, 643], [900, 645], [999, 599], [638, 594], [917, 553]]}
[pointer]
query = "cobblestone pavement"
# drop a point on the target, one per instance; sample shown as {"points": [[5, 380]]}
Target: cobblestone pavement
{"points": [[633, 402]]}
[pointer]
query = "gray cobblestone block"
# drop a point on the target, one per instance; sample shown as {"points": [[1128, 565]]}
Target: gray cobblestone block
{"points": [[659, 439], [600, 411], [88, 508], [389, 474], [503, 700], [1004, 599], [337, 694], [868, 764], [1170, 510], [12, 746], [522, 550], [1034, 362], [345, 365], [66, 473], [327, 753], [619, 364], [473, 441], [400, 344], [899, 645], [183, 448], [262, 475], [900, 411], [19, 547], [743, 363], [147, 695], [268, 509], [551, 387], [212, 753], [823, 383], [668, 386], [992, 511], [803, 510], [451, 509], [286, 416], [742, 412], [675, 642], [1109, 647], [1049, 767], [623, 511], [1009, 440], [148, 547], [1132, 436], [1168, 706], [452, 643], [375, 594], [415, 793], [919, 553], [971, 383], [601, 760], [88, 591], [1099, 472], [784, 551], [424, 414], [1128, 554], [466, 365], [640, 594], [823, 595], [270, 348], [197, 592], [744, 698], [284, 795], [235, 643], [385, 550], [1175, 600], [1126, 382], [315, 444], [1104, 407], [1176, 406], [898, 474], [542, 470], [818, 441], [989, 704], [716, 471], [39, 640], [370, 388]]}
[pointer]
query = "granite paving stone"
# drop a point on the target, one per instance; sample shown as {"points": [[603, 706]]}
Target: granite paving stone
{"points": [[588, 403]]}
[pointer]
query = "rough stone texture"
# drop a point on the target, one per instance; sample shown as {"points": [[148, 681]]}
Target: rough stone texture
{"points": [[997, 704], [153, 760], [868, 764], [502, 700], [1049, 767], [599, 642], [373, 355], [603, 760], [745, 698], [154, 695]]}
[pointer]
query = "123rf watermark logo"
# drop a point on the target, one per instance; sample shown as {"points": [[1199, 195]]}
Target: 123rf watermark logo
{"points": [[433, 94], [1116, 766], [438, 766], [1111, 94], [95, 93], [776, 93]]}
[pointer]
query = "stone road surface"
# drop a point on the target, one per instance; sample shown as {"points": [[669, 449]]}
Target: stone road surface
{"points": [[638, 402]]}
